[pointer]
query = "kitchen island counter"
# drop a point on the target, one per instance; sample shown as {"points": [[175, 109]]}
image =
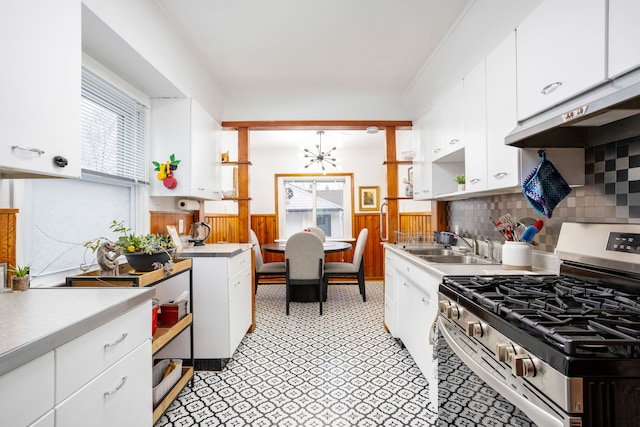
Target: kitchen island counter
{"points": [[215, 250], [39, 320]]}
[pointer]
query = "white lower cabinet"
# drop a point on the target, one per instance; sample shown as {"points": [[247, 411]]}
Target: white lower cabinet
{"points": [[120, 396], [414, 310], [389, 293], [222, 304], [26, 393]]}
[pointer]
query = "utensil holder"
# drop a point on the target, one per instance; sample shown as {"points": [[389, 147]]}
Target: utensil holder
{"points": [[516, 256]]}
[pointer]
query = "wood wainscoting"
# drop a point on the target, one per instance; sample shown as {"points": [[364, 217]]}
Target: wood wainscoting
{"points": [[225, 228]]}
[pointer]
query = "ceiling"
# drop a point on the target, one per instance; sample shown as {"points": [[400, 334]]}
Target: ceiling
{"points": [[293, 48]]}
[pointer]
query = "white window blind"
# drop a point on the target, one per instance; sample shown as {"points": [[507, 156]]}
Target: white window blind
{"points": [[112, 131]]}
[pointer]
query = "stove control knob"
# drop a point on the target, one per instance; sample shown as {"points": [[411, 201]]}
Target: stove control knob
{"points": [[505, 352], [475, 329], [452, 312], [442, 306], [523, 366]]}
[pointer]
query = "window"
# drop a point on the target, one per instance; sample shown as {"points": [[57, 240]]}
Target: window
{"points": [[324, 201], [64, 213]]}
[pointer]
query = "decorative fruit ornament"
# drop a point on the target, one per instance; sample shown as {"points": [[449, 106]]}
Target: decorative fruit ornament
{"points": [[165, 172]]}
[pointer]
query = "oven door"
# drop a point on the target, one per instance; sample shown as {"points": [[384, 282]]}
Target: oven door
{"points": [[482, 361]]}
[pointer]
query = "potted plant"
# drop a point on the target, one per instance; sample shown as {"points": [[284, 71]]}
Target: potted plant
{"points": [[144, 252], [459, 179], [20, 278]]}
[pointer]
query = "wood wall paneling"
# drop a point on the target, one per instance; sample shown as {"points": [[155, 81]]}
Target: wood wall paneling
{"points": [[8, 237]]}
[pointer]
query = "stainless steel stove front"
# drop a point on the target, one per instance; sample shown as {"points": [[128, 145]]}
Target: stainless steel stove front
{"points": [[541, 392]]}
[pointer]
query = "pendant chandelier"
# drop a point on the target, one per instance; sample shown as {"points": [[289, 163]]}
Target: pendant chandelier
{"points": [[321, 157]]}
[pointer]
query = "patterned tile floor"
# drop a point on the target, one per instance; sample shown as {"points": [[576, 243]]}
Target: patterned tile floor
{"points": [[339, 369]]}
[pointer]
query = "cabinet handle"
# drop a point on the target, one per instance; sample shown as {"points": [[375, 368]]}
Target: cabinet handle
{"points": [[550, 88], [500, 175], [116, 342], [201, 188], [118, 387], [454, 141], [426, 300], [437, 150], [474, 180], [30, 149], [406, 284]]}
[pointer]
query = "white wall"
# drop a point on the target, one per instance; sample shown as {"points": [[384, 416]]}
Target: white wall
{"points": [[364, 160]]}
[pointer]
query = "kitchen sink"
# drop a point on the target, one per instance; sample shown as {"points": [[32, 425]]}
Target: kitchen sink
{"points": [[431, 251], [455, 259]]}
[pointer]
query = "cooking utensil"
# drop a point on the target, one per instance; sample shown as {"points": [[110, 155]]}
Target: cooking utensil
{"points": [[529, 233], [538, 224]]}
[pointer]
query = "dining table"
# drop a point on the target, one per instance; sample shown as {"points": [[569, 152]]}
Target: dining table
{"points": [[307, 293]]}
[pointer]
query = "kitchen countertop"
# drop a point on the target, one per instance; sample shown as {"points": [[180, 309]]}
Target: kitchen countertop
{"points": [[444, 269], [216, 250], [37, 321]]}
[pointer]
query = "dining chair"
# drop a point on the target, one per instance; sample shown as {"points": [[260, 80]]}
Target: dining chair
{"points": [[318, 232], [272, 270], [353, 269], [304, 258]]}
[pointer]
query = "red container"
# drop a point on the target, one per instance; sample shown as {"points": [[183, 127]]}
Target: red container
{"points": [[155, 307], [171, 313]]}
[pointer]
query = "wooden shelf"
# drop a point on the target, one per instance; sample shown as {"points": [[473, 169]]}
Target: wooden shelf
{"points": [[235, 163], [398, 198], [187, 374], [164, 335], [127, 276], [236, 198], [397, 162]]}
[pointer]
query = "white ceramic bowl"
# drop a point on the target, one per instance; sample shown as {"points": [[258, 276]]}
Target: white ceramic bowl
{"points": [[407, 155]]}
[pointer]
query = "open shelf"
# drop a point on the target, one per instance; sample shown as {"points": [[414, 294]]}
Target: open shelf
{"points": [[398, 162], [163, 335], [187, 374], [235, 163]]}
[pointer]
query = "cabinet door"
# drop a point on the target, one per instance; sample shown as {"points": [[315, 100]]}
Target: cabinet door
{"points": [[27, 392], [475, 128], [40, 103], [204, 163], [183, 128], [239, 308], [389, 292], [503, 161], [120, 396], [624, 33], [561, 52], [453, 123], [423, 180]]}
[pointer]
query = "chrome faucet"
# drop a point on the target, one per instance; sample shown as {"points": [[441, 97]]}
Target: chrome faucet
{"points": [[473, 245], [491, 248]]}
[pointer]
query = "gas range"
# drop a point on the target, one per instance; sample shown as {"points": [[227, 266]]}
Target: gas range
{"points": [[563, 348]]}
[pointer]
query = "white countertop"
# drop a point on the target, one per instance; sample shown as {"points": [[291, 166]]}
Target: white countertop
{"points": [[216, 250], [444, 269], [38, 320]]}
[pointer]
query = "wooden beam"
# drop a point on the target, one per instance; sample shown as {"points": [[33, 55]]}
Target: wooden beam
{"points": [[392, 182], [318, 124], [243, 184]]}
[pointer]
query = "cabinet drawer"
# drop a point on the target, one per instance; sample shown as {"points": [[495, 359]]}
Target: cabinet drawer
{"points": [[120, 396], [239, 263], [82, 359], [28, 387]]}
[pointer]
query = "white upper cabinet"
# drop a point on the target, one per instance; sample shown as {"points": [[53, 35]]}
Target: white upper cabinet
{"points": [[448, 138], [503, 161], [422, 181], [40, 103], [560, 53], [624, 33], [181, 127], [475, 128]]}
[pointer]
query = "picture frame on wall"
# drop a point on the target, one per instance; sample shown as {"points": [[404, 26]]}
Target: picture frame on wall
{"points": [[369, 198], [3, 274], [175, 237]]}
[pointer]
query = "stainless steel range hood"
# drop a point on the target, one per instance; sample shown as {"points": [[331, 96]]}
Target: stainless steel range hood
{"points": [[610, 112]]}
